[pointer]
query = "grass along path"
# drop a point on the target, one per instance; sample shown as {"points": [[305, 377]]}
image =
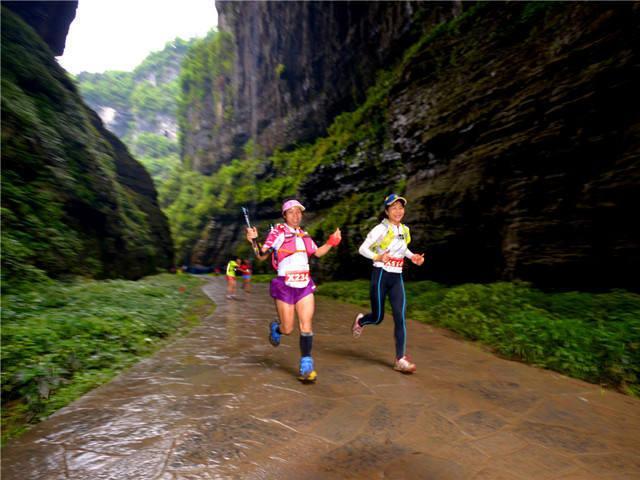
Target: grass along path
{"points": [[60, 340], [593, 337]]}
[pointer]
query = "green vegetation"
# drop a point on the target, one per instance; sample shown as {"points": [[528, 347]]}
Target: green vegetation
{"points": [[64, 208], [158, 154], [190, 199], [148, 100], [164, 64], [63, 339], [593, 337], [144, 99], [265, 180], [149, 90], [155, 146], [112, 88], [178, 197], [204, 81], [262, 277], [160, 168]]}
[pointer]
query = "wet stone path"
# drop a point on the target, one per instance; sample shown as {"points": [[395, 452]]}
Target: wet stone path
{"points": [[221, 402]]}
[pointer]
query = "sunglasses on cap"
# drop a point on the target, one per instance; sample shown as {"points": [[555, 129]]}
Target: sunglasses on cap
{"points": [[394, 197]]}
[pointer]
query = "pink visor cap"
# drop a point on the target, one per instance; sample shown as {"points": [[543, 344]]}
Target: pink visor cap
{"points": [[290, 204]]}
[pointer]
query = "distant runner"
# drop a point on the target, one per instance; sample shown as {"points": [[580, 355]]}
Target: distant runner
{"points": [[245, 271], [387, 245], [232, 266], [292, 290]]}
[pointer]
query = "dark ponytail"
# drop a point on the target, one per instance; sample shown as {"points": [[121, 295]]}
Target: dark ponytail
{"points": [[382, 215]]}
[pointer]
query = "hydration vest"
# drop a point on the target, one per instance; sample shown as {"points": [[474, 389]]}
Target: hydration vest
{"points": [[385, 240], [288, 247]]}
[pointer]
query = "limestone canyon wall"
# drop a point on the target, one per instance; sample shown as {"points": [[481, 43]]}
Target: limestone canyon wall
{"points": [[513, 127]]}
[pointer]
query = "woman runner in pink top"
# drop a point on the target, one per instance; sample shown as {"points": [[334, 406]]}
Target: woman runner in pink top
{"points": [[292, 290]]}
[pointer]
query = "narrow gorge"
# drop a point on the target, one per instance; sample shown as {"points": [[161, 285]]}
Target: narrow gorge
{"points": [[511, 127]]}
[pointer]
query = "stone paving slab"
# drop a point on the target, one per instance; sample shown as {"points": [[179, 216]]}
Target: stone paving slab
{"points": [[221, 402]]}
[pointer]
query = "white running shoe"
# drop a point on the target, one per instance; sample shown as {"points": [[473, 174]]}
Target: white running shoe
{"points": [[404, 365], [356, 328]]}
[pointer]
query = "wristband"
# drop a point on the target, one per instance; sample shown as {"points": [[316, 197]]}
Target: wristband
{"points": [[334, 240]]}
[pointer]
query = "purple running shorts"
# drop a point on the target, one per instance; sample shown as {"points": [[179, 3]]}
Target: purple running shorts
{"points": [[280, 291]]}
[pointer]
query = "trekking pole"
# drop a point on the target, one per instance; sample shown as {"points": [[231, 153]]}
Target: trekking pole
{"points": [[256, 250]]}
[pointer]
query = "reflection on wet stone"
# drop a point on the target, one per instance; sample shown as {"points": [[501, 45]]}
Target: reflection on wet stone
{"points": [[217, 443], [612, 462], [301, 413], [507, 395], [564, 438], [362, 455], [392, 421], [480, 423], [142, 464], [221, 403], [419, 465]]}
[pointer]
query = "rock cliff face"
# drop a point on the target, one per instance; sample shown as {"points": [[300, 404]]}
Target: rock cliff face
{"points": [[293, 69], [135, 179], [117, 121], [521, 147], [512, 129], [143, 101], [50, 20], [74, 200]]}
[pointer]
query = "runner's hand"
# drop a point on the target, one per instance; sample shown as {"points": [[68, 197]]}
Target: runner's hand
{"points": [[384, 257], [335, 238], [418, 258], [252, 234]]}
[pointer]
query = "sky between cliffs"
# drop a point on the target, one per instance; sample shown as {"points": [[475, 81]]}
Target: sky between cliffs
{"points": [[119, 34]]}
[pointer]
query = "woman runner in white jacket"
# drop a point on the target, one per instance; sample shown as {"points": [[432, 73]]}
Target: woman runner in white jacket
{"points": [[387, 246]]}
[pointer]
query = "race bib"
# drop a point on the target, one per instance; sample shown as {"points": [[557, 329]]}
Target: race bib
{"points": [[394, 262], [297, 279]]}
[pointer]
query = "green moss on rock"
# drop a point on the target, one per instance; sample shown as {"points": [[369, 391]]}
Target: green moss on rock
{"points": [[69, 202]]}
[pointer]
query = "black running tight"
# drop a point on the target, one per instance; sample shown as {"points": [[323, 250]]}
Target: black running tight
{"points": [[385, 284]]}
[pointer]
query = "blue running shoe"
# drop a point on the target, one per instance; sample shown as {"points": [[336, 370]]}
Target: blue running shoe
{"points": [[307, 373], [274, 335]]}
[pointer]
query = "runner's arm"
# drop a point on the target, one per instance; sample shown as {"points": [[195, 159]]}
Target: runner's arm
{"points": [[266, 251], [262, 257], [416, 258], [365, 248], [252, 234], [324, 249]]}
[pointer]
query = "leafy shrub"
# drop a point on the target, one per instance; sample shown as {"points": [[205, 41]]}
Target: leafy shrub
{"points": [[152, 145], [593, 337], [61, 339]]}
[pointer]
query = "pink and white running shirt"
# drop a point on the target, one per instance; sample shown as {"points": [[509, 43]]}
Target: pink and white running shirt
{"points": [[295, 266]]}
